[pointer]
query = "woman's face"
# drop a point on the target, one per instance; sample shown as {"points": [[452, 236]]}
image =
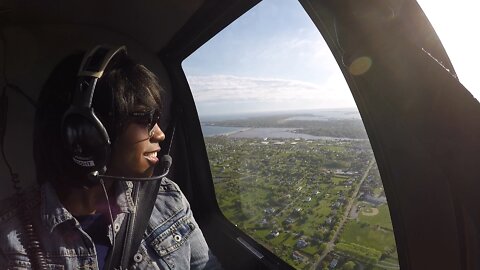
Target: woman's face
{"points": [[134, 153]]}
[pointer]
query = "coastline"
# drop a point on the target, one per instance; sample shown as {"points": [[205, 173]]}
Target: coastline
{"points": [[270, 133]]}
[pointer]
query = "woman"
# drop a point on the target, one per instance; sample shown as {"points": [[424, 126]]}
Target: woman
{"points": [[77, 214]]}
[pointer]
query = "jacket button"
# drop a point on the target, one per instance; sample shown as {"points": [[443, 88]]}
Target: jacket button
{"points": [[116, 227], [137, 257], [177, 237]]}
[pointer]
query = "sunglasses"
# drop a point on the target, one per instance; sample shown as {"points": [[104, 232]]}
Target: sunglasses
{"points": [[146, 118]]}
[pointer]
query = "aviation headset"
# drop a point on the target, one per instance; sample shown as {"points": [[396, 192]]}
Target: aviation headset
{"points": [[85, 138]]}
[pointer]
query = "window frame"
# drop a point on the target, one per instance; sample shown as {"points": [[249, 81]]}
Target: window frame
{"points": [[408, 175]]}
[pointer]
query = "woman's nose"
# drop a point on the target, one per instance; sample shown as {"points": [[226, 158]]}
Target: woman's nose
{"points": [[157, 134]]}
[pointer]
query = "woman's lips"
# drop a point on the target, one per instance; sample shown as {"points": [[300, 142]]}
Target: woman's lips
{"points": [[151, 157]]}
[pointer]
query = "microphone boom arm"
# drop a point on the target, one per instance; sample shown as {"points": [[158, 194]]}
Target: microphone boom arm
{"points": [[166, 160]]}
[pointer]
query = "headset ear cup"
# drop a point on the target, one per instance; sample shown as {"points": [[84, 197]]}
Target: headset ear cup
{"points": [[86, 140]]}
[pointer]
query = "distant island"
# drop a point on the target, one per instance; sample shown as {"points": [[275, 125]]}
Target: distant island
{"points": [[312, 124]]}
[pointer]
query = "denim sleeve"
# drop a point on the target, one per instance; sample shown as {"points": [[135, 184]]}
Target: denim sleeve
{"points": [[174, 240], [201, 255]]}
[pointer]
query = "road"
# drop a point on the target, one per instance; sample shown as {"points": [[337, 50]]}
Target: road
{"points": [[331, 243]]}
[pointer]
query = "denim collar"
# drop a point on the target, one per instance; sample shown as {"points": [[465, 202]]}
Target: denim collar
{"points": [[54, 213]]}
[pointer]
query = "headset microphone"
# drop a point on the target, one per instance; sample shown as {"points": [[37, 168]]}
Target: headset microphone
{"points": [[166, 162]]}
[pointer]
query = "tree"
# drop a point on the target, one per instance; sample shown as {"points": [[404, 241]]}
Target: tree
{"points": [[349, 266]]}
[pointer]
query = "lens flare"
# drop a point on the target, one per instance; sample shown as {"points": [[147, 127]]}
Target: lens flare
{"points": [[360, 65]]}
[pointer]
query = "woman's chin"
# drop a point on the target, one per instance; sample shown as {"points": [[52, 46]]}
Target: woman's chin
{"points": [[148, 172]]}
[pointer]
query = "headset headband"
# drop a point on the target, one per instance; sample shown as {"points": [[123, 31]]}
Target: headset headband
{"points": [[95, 61], [91, 69]]}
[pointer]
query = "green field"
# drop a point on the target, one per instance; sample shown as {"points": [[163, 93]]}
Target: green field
{"points": [[382, 219], [293, 189], [368, 236], [337, 180]]}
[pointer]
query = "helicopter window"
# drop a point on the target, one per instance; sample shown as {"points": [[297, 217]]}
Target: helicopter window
{"points": [[290, 159]]}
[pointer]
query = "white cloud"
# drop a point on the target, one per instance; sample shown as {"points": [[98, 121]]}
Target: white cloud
{"points": [[305, 49], [225, 92]]}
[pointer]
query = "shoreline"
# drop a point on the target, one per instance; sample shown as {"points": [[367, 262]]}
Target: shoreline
{"points": [[273, 133]]}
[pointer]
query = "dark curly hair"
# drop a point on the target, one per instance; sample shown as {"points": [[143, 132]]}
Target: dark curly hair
{"points": [[126, 86]]}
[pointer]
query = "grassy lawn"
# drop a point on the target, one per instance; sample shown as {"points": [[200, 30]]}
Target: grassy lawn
{"points": [[337, 179], [340, 188], [377, 191], [382, 219], [368, 236], [311, 250], [280, 239], [335, 148], [290, 242], [313, 222], [261, 233], [324, 187]]}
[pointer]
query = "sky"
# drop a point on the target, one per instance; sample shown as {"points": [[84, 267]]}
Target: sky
{"points": [[273, 58]]}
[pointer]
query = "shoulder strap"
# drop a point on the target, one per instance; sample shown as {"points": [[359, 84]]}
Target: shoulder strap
{"points": [[112, 261], [130, 234], [139, 221]]}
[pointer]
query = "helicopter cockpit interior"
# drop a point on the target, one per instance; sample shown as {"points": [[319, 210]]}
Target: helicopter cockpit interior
{"points": [[422, 125]]}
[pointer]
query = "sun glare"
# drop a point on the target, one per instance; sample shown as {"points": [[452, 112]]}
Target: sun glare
{"points": [[455, 23]]}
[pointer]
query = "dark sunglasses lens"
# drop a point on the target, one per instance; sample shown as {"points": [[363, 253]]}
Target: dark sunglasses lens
{"points": [[154, 117], [149, 119]]}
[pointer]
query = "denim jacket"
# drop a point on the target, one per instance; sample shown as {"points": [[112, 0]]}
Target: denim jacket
{"points": [[172, 239]]}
